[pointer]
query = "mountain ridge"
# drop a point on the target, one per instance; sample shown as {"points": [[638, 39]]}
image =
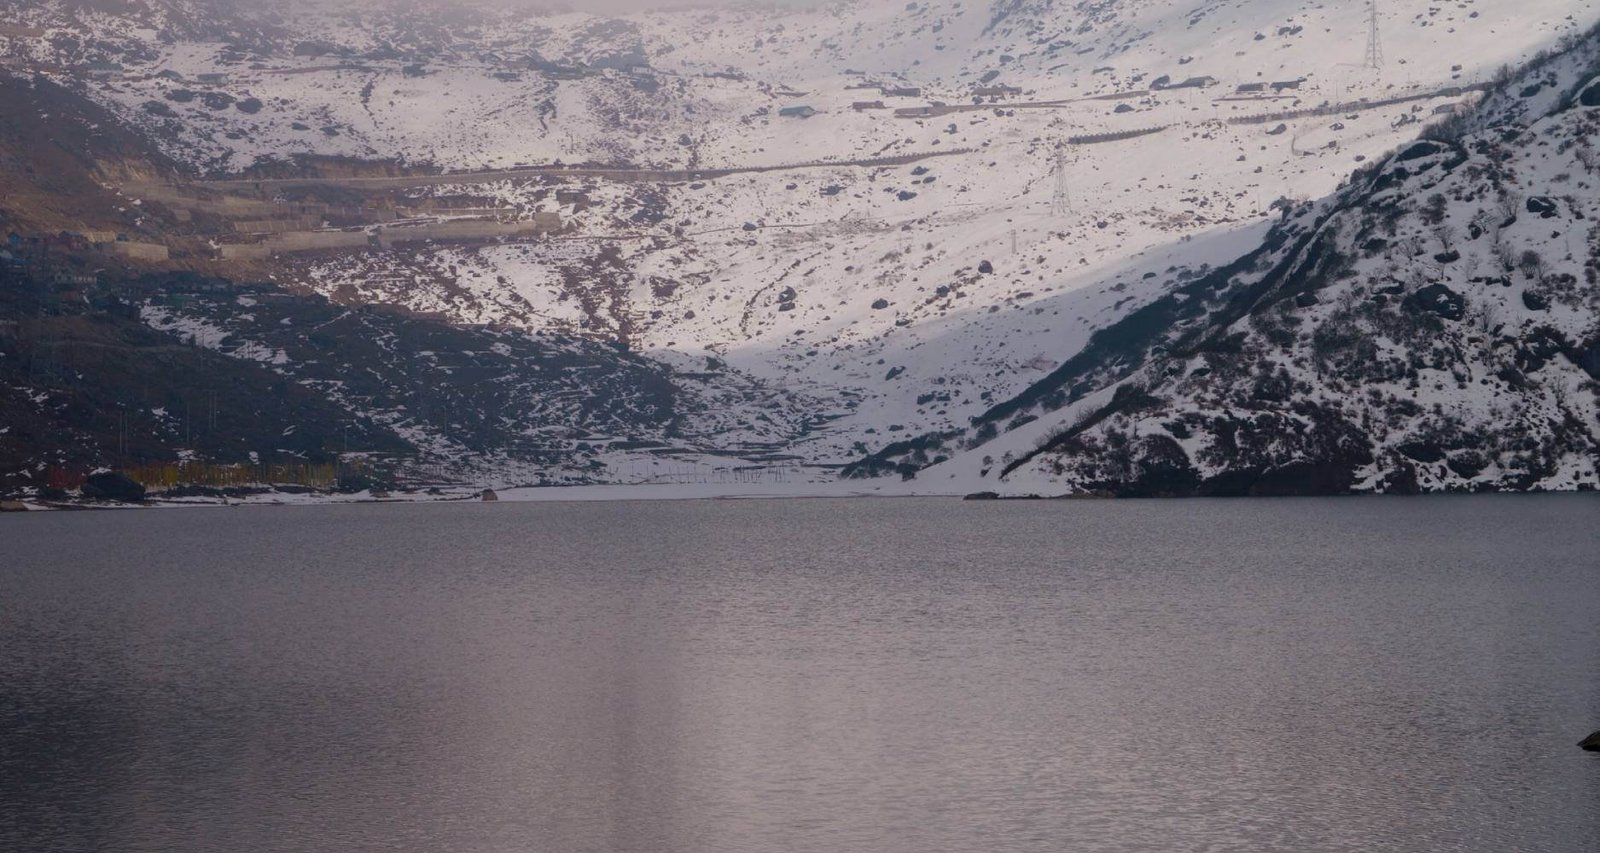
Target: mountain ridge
{"points": [[1069, 185]]}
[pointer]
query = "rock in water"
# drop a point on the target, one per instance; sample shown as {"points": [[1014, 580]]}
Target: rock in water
{"points": [[489, 495], [1591, 743], [111, 486]]}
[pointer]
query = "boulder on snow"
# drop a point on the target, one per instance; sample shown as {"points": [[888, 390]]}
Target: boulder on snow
{"points": [[985, 268], [1589, 360], [1544, 206], [111, 486], [1539, 347], [1590, 97], [1437, 299], [1418, 150]]}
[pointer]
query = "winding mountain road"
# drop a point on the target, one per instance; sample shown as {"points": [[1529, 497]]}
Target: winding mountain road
{"points": [[644, 175]]}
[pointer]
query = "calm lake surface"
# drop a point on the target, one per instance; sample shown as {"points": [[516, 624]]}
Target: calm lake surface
{"points": [[829, 675]]}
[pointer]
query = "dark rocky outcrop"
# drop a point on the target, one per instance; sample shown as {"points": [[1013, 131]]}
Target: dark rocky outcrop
{"points": [[1437, 299], [1591, 95], [1591, 743], [112, 486], [1544, 206]]}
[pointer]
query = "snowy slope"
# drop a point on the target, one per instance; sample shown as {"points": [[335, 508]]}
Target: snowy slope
{"points": [[909, 300], [1434, 326], [487, 88]]}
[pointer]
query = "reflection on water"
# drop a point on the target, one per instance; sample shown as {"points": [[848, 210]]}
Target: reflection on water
{"points": [[905, 675]]}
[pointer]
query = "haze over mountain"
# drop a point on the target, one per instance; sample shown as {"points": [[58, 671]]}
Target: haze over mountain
{"points": [[1023, 246]]}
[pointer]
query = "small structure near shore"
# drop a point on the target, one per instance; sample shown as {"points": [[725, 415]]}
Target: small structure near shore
{"points": [[489, 495]]}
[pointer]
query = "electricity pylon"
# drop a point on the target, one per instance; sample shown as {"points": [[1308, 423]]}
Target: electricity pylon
{"points": [[1061, 203], [1374, 46]]}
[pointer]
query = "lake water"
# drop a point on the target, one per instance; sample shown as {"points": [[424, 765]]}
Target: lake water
{"points": [[831, 675]]}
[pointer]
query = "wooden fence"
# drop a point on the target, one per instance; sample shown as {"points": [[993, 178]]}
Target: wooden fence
{"points": [[1120, 135], [162, 477]]}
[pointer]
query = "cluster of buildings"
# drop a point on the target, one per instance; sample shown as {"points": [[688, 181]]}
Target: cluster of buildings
{"points": [[64, 274], [48, 249], [386, 236], [1276, 87], [984, 91], [1164, 82]]}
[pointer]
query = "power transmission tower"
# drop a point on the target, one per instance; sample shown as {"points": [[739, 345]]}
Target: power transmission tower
{"points": [[1374, 46], [1061, 204]]}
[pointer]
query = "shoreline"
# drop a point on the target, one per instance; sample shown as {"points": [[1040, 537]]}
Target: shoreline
{"points": [[621, 493]]}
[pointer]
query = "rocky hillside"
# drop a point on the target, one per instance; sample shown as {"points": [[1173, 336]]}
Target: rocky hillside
{"points": [[814, 234], [166, 368], [502, 404], [92, 386], [58, 155], [1433, 326]]}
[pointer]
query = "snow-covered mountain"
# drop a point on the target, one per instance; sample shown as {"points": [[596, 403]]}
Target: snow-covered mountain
{"points": [[459, 87], [1435, 325], [904, 215]]}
